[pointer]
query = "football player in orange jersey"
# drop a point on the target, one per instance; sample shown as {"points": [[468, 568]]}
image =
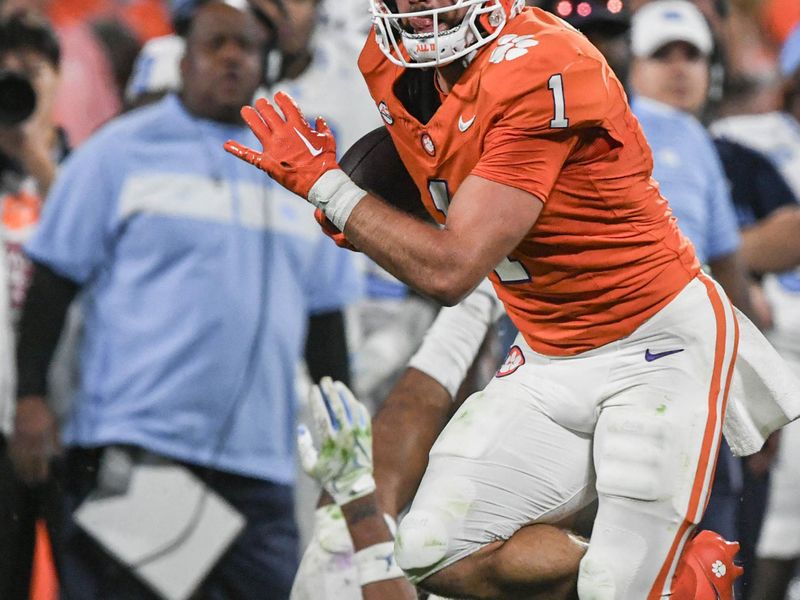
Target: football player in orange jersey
{"points": [[524, 148]]}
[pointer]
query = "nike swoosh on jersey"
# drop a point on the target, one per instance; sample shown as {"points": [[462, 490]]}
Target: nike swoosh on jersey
{"points": [[651, 356], [464, 125], [314, 151]]}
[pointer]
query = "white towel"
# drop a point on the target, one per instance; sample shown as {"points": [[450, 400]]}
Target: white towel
{"points": [[765, 394]]}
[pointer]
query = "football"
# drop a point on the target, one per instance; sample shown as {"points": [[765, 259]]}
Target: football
{"points": [[374, 165]]}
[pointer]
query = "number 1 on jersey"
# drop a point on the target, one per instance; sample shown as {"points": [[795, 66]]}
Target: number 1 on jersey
{"points": [[556, 85], [508, 271]]}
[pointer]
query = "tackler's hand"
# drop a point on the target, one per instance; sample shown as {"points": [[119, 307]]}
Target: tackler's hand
{"points": [[338, 451], [294, 154]]}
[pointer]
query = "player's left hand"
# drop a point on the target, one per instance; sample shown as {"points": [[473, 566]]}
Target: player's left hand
{"points": [[342, 459], [294, 154]]}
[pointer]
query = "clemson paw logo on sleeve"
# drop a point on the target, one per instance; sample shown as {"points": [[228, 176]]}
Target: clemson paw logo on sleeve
{"points": [[511, 47]]}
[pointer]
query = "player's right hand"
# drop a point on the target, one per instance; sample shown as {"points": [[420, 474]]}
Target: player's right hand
{"points": [[332, 231], [338, 451], [34, 440], [294, 154]]}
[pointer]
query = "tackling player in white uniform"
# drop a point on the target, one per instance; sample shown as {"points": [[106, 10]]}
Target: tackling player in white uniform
{"points": [[414, 413]]}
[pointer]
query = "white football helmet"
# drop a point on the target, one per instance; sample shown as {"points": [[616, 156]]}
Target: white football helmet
{"points": [[482, 22]]}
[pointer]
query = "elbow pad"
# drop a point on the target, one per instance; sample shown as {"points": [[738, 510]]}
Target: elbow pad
{"points": [[453, 341]]}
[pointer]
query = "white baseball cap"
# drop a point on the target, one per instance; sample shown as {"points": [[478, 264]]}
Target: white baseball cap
{"points": [[157, 67], [659, 23]]}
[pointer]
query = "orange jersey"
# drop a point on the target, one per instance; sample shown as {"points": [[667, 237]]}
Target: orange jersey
{"points": [[540, 110]]}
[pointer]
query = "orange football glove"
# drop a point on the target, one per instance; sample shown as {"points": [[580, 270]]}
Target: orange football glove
{"points": [[294, 154], [332, 231]]}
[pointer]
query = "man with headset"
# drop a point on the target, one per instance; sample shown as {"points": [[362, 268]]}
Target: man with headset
{"points": [[199, 280]]}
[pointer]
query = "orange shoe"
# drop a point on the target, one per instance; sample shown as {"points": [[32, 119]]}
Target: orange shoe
{"points": [[706, 570]]}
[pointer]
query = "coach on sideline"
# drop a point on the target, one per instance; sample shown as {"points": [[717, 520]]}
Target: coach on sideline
{"points": [[199, 277]]}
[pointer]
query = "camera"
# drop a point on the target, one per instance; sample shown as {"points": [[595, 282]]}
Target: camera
{"points": [[17, 98]]}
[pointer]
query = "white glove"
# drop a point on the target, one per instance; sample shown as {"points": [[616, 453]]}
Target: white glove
{"points": [[328, 570], [343, 432]]}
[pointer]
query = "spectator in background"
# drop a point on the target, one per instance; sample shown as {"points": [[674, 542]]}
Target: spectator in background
{"points": [[200, 278], [671, 43], [680, 77], [774, 238], [321, 73], [774, 134], [30, 149], [320, 69], [156, 69], [33, 146], [670, 75], [88, 94]]}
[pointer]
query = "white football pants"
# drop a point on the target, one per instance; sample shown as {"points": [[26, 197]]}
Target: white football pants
{"points": [[635, 423]]}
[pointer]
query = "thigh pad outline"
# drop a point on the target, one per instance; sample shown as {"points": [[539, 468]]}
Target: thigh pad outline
{"points": [[633, 456]]}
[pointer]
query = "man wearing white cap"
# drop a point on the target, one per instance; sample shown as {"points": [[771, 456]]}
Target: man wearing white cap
{"points": [[777, 136], [669, 75], [671, 43]]}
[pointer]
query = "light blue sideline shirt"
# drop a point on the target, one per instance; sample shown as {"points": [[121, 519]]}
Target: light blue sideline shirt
{"points": [[691, 177], [199, 274]]}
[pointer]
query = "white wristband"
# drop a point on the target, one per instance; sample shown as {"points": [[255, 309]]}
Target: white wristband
{"points": [[376, 563], [453, 341], [337, 195], [364, 485]]}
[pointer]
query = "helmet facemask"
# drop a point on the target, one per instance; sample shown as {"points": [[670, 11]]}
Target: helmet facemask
{"points": [[481, 23]]}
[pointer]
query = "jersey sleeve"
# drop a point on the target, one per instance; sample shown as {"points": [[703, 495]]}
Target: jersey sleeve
{"points": [[539, 125], [528, 162], [75, 233]]}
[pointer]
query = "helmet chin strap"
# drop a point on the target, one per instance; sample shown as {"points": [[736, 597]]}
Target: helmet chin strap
{"points": [[441, 45]]}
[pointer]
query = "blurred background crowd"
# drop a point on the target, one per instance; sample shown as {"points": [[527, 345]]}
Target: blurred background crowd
{"points": [[161, 304]]}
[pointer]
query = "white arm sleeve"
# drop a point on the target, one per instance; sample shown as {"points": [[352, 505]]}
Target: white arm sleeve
{"points": [[453, 341]]}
